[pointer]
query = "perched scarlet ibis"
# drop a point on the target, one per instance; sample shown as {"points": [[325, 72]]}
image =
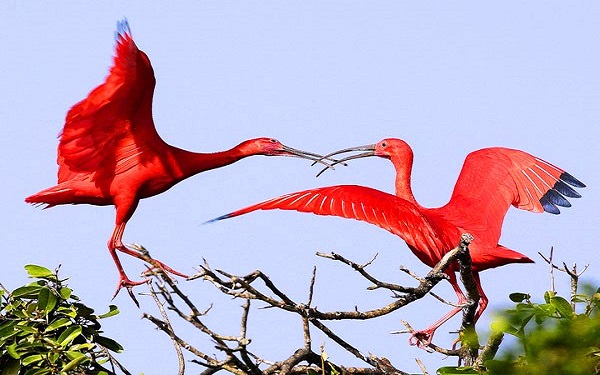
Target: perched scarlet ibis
{"points": [[110, 153], [491, 180]]}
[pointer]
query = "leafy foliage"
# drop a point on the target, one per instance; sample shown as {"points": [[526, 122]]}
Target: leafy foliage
{"points": [[552, 337], [45, 329]]}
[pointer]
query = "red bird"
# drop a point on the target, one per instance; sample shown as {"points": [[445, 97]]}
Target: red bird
{"points": [[110, 153], [491, 180]]}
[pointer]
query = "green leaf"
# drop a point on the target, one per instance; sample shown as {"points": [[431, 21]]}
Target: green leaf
{"points": [[38, 271], [76, 359], [83, 310], [32, 359], [7, 330], [46, 300], [58, 323], [74, 354], [12, 351], [27, 329], [43, 298], [68, 311], [519, 297], [69, 335], [28, 291], [65, 292], [38, 371], [578, 298], [455, 370], [83, 347], [546, 309], [548, 295], [53, 356], [12, 367], [109, 344], [563, 306], [502, 324], [112, 311]]}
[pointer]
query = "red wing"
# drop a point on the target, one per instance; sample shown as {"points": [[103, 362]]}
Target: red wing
{"points": [[107, 131], [492, 179], [365, 204]]}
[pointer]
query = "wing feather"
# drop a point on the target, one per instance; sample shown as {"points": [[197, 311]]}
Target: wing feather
{"points": [[111, 129], [424, 235], [493, 179]]}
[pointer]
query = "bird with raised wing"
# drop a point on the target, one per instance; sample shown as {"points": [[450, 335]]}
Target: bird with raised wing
{"points": [[110, 153], [491, 180]]}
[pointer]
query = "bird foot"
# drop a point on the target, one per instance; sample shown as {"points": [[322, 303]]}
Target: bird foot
{"points": [[140, 252], [128, 284], [421, 339], [164, 268]]}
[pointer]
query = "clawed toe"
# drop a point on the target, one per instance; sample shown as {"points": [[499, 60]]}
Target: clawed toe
{"points": [[164, 268], [421, 339], [128, 284]]}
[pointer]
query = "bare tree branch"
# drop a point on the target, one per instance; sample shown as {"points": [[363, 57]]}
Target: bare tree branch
{"points": [[169, 331], [234, 355], [571, 272]]}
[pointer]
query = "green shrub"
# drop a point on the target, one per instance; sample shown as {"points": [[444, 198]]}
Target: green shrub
{"points": [[45, 329], [552, 337]]}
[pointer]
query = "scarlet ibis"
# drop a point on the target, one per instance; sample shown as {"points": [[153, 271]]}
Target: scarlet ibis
{"points": [[111, 154], [490, 181]]}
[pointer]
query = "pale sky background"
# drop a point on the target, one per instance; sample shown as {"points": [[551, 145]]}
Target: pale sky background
{"points": [[448, 77]]}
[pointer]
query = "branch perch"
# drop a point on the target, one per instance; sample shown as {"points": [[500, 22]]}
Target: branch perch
{"points": [[235, 355]]}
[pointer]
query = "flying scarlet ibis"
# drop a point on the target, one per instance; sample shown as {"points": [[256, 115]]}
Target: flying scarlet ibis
{"points": [[491, 180], [110, 153]]}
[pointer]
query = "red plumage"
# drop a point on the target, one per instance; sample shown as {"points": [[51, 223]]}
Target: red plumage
{"points": [[490, 181], [111, 154]]}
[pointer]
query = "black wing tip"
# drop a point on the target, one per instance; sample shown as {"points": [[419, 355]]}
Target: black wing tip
{"points": [[569, 179], [222, 217], [564, 189], [548, 205], [557, 199], [557, 195]]}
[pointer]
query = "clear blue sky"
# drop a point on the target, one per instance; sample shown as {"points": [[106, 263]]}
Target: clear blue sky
{"points": [[448, 78]]}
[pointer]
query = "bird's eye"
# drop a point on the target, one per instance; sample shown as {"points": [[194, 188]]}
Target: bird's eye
{"points": [[383, 144], [273, 140]]}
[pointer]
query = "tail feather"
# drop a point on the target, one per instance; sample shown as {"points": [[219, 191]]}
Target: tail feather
{"points": [[240, 212], [51, 197], [499, 256]]}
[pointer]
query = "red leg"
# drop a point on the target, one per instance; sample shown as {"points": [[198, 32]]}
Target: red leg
{"points": [[483, 300], [115, 244], [160, 264], [423, 338], [125, 206]]}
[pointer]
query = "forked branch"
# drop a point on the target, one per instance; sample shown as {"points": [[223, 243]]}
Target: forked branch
{"points": [[236, 356]]}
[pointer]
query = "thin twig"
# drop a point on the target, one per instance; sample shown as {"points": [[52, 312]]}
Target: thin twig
{"points": [[360, 268], [169, 331], [442, 300], [421, 366]]}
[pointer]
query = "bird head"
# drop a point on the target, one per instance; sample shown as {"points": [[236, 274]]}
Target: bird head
{"points": [[389, 148], [272, 147]]}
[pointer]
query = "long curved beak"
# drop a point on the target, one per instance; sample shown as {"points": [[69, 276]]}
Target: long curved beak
{"points": [[370, 151], [316, 158]]}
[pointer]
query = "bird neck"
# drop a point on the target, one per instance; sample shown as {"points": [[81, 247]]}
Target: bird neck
{"points": [[191, 163], [403, 168]]}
